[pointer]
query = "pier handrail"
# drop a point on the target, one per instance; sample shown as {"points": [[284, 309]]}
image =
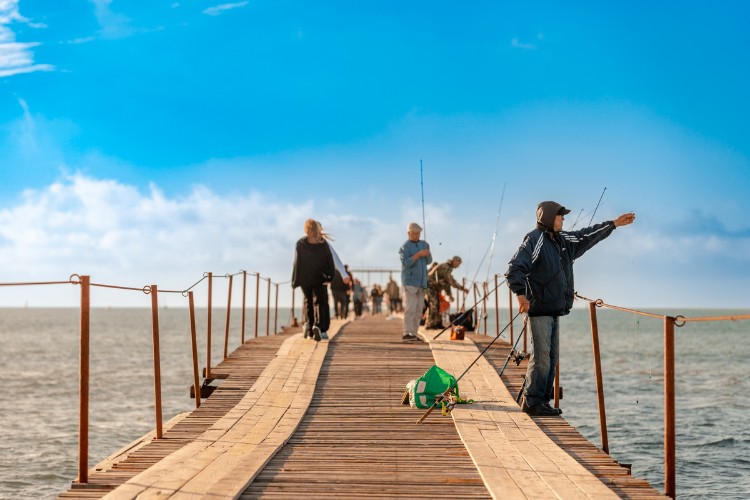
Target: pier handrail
{"points": [[670, 322], [84, 281]]}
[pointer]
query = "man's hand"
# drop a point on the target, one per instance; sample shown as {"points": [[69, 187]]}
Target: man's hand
{"points": [[523, 304], [624, 219]]}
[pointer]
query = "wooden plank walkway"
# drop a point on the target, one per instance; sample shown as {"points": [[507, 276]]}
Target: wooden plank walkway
{"points": [[355, 439]]}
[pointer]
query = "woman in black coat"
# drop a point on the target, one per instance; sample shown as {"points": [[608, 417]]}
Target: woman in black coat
{"points": [[313, 269]]}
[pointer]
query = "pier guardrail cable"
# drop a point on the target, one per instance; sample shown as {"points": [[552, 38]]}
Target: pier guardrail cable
{"points": [[680, 319]]}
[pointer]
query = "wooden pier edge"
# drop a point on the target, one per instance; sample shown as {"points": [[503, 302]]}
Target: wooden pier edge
{"points": [[515, 455]]}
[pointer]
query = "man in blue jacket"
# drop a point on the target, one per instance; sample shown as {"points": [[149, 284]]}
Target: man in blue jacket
{"points": [[541, 276], [415, 256]]}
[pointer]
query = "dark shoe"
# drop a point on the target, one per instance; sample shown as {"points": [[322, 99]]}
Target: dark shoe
{"points": [[316, 333], [549, 406], [539, 410]]}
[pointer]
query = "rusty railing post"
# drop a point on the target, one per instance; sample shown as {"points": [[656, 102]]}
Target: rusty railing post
{"points": [[157, 359], [83, 382], [268, 309], [599, 378], [207, 371], [497, 309], [229, 311], [670, 455], [276, 309], [292, 318], [485, 290], [194, 345], [257, 298], [244, 304], [510, 315]]}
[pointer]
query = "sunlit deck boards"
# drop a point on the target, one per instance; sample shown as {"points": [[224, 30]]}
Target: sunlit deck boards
{"points": [[357, 440]]}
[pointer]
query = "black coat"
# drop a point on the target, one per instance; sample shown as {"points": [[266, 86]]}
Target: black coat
{"points": [[542, 268], [313, 264]]}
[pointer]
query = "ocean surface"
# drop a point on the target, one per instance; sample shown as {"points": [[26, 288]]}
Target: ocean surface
{"points": [[39, 378]]}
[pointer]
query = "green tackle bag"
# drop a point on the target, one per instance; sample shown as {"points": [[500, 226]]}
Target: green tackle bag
{"points": [[434, 382]]}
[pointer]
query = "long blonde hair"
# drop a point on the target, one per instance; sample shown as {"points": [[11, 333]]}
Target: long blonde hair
{"points": [[314, 231]]}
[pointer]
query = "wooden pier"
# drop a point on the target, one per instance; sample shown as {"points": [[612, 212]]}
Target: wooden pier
{"points": [[297, 418]]}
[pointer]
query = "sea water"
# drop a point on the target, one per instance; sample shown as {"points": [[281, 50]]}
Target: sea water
{"points": [[39, 366], [39, 378], [712, 366]]}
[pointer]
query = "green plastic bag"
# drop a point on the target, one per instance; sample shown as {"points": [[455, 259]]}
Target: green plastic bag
{"points": [[435, 381]]}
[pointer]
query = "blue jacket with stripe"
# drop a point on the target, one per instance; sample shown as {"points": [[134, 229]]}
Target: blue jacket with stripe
{"points": [[542, 268]]}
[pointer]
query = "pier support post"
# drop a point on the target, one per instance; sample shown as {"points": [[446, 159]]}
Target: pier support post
{"points": [[670, 456], [194, 345], [268, 310], [83, 382], [257, 300], [207, 371], [497, 310], [244, 304], [276, 309], [510, 317], [599, 379], [229, 313], [157, 359]]}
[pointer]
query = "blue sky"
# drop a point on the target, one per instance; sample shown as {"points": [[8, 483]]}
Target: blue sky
{"points": [[150, 141]]}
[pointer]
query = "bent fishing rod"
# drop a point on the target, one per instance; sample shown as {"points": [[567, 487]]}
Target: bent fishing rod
{"points": [[445, 394], [464, 314], [421, 183]]}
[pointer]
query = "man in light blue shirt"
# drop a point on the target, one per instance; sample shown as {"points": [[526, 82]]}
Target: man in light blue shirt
{"points": [[415, 257]]}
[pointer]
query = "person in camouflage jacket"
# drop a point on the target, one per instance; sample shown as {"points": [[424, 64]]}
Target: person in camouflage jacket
{"points": [[441, 280]]}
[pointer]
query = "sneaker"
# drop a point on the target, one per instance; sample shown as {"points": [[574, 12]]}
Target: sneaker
{"points": [[324, 335], [307, 330], [407, 336], [316, 333]]}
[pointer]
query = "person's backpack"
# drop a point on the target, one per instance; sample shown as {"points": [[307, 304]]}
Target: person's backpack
{"points": [[467, 321]]}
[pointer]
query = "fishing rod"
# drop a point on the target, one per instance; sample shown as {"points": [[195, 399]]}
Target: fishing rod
{"points": [[492, 244], [577, 219], [445, 394], [421, 183], [494, 235], [465, 314], [597, 206]]}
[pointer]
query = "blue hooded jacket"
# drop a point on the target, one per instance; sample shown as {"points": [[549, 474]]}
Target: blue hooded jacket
{"points": [[542, 268]]}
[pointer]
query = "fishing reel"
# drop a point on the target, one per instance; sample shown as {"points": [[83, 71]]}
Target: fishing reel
{"points": [[518, 356]]}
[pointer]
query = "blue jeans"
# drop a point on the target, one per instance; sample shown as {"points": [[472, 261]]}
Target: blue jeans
{"points": [[540, 373]]}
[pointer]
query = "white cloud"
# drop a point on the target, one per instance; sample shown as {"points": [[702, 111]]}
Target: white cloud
{"points": [[219, 9], [16, 58], [515, 42], [113, 24]]}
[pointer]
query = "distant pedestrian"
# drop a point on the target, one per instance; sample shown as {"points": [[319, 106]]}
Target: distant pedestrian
{"points": [[313, 268], [541, 276], [441, 280], [394, 296], [340, 292], [415, 256], [377, 298], [357, 294]]}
